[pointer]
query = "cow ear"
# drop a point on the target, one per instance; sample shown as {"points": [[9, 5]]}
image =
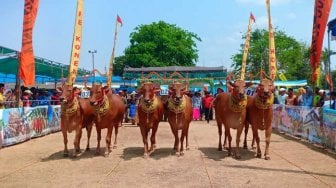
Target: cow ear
{"points": [[231, 84], [105, 89]]}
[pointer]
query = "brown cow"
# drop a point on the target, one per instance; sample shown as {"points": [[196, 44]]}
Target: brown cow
{"points": [[75, 115], [109, 110], [230, 110], [150, 112], [179, 115], [260, 114]]}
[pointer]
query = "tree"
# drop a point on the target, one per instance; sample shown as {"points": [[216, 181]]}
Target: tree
{"points": [[292, 56], [160, 44]]}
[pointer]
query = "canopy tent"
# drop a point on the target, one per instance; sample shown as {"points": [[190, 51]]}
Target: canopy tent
{"points": [[43, 67]]}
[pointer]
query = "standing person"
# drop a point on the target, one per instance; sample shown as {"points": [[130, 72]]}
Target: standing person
{"points": [[207, 101], [282, 96], [55, 98], [2, 98], [316, 98], [308, 97], [219, 90], [333, 100], [26, 98], [291, 98], [301, 92], [196, 104]]}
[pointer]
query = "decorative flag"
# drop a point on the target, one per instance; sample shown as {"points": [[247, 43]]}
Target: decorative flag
{"points": [[330, 82], [109, 75], [246, 47], [76, 43], [271, 49], [321, 14], [119, 20], [282, 77], [26, 57]]}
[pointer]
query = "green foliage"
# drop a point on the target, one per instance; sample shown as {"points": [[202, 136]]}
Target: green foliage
{"points": [[159, 44], [292, 56]]}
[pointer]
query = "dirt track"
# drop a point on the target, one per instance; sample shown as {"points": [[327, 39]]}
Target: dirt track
{"points": [[40, 163]]}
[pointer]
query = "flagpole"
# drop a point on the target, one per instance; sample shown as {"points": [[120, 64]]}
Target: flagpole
{"points": [[246, 47], [110, 74]]}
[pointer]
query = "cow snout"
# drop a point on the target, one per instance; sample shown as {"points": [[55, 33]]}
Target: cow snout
{"points": [[147, 101], [241, 95], [266, 94], [178, 98]]}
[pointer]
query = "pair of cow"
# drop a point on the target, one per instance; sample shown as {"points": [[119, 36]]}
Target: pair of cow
{"points": [[236, 110], [107, 110], [103, 108]]}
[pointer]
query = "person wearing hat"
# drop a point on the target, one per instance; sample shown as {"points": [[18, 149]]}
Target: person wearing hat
{"points": [[26, 98], [2, 98], [282, 96]]}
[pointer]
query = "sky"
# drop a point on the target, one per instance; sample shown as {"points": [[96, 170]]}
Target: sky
{"points": [[219, 23]]}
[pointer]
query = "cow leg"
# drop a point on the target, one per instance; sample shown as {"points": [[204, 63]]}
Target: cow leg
{"points": [[115, 136], [144, 134], [239, 131], [153, 141], [183, 134], [268, 133], [88, 131], [246, 132], [228, 135], [176, 144], [108, 142], [77, 140], [220, 132], [98, 140], [256, 136], [187, 142], [65, 140]]}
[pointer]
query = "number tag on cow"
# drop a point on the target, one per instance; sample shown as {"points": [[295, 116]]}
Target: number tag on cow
{"points": [[85, 94], [250, 91], [164, 90]]}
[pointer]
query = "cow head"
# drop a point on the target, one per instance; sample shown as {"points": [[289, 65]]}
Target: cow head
{"points": [[238, 88], [148, 91], [176, 91], [68, 93], [266, 88], [97, 94]]}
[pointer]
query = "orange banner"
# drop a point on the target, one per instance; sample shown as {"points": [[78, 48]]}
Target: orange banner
{"points": [[26, 58], [76, 44], [246, 47], [271, 48], [321, 14]]}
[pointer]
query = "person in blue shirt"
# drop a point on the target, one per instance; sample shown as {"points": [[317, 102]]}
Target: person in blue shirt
{"points": [[333, 100], [308, 97]]}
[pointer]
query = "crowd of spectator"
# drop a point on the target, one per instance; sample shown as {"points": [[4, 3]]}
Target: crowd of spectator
{"points": [[27, 97]]}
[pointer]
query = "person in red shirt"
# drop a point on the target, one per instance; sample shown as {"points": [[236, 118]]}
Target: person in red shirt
{"points": [[207, 101]]}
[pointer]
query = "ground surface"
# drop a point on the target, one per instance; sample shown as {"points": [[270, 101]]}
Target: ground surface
{"points": [[40, 163]]}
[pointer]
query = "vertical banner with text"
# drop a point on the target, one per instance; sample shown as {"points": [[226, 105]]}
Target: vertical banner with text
{"points": [[26, 58], [321, 14], [246, 47], [76, 43], [271, 52]]}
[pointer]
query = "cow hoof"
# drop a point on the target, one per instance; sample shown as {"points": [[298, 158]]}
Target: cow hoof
{"points": [[87, 149], [115, 147], [245, 147], [220, 149], [177, 154], [267, 157], [106, 154], [145, 155], [187, 148], [259, 155], [181, 154]]}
